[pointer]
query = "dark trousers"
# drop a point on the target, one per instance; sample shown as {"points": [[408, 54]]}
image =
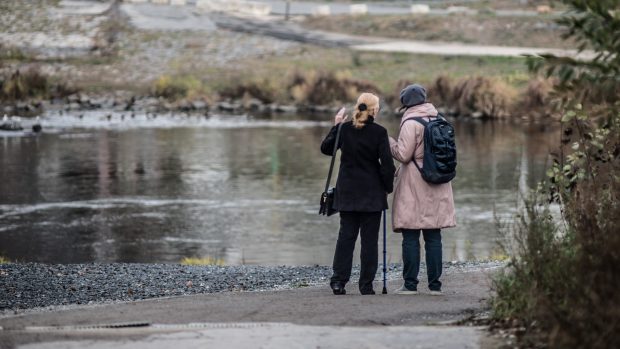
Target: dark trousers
{"points": [[411, 258], [352, 223]]}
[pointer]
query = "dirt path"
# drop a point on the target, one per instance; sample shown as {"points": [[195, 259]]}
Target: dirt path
{"points": [[331, 318]]}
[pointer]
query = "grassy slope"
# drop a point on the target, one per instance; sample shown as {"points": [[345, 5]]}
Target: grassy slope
{"points": [[538, 31], [382, 69]]}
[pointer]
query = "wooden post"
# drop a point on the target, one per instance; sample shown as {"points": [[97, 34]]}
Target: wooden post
{"points": [[287, 11]]}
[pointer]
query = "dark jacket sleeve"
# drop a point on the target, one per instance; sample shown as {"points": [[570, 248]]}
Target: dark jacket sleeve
{"points": [[327, 147], [387, 168]]}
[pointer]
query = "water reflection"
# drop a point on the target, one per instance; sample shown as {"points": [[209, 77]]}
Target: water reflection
{"points": [[242, 194]]}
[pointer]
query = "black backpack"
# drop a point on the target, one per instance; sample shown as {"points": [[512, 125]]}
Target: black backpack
{"points": [[439, 150]]}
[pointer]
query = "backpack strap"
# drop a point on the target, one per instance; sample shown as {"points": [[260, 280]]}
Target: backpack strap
{"points": [[424, 123], [419, 119]]}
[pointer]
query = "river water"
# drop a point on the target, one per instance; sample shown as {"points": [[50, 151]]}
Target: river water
{"points": [[239, 189]]}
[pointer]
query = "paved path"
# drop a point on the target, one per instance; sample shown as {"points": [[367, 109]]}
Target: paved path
{"points": [[292, 31], [460, 49], [305, 8], [333, 319]]}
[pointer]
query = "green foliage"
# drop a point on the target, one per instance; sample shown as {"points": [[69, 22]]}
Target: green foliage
{"points": [[4, 260], [566, 280], [594, 25], [544, 267]]}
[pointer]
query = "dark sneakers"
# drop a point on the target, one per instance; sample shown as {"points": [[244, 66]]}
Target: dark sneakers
{"points": [[367, 292]]}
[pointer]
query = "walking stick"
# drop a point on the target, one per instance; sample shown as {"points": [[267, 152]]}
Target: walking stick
{"points": [[384, 252]]}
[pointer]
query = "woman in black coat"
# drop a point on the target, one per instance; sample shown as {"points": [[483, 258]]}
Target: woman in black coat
{"points": [[365, 178]]}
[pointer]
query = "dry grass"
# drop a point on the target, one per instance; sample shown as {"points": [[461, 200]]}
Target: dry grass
{"points": [[470, 96], [31, 83], [202, 261], [325, 88], [4, 260], [537, 93], [180, 87], [264, 90], [476, 96]]}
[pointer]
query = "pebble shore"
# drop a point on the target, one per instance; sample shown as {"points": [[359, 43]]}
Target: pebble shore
{"points": [[33, 285]]}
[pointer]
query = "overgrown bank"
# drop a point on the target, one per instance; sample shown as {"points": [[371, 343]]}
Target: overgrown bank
{"points": [[560, 289], [28, 90]]}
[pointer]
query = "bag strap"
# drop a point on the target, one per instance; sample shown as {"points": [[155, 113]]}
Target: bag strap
{"points": [[424, 123], [421, 120], [331, 165]]}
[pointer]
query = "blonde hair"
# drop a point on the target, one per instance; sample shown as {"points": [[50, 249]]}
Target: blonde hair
{"points": [[367, 104]]}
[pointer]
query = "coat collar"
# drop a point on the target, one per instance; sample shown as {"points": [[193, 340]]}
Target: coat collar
{"points": [[426, 109]]}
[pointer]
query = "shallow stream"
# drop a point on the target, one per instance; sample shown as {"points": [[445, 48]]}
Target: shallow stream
{"points": [[238, 189]]}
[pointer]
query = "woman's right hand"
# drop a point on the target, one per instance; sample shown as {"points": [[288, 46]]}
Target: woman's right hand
{"points": [[340, 117]]}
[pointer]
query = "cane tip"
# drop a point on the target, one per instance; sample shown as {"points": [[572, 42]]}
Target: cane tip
{"points": [[384, 291]]}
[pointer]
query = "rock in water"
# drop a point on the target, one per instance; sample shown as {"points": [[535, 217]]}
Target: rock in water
{"points": [[11, 125], [36, 128]]}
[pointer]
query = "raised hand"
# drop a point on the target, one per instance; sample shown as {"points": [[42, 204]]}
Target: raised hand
{"points": [[340, 117]]}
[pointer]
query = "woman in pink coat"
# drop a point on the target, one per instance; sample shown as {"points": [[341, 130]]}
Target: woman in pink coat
{"points": [[418, 207]]}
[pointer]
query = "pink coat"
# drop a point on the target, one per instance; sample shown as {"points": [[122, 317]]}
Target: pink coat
{"points": [[418, 204]]}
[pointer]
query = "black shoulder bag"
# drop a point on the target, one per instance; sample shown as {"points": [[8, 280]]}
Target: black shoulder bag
{"points": [[327, 198]]}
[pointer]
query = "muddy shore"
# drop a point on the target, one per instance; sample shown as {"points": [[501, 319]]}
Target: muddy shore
{"points": [[32, 285]]}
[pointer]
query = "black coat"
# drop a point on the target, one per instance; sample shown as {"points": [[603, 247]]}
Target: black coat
{"points": [[366, 173]]}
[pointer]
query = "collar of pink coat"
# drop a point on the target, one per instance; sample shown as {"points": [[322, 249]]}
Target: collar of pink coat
{"points": [[426, 109]]}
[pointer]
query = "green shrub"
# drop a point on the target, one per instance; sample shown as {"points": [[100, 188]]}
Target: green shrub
{"points": [[563, 284], [542, 269]]}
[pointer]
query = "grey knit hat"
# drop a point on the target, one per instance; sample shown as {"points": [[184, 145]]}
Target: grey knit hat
{"points": [[412, 95]]}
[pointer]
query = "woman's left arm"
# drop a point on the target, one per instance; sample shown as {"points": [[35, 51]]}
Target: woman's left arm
{"points": [[327, 146], [387, 168], [403, 148]]}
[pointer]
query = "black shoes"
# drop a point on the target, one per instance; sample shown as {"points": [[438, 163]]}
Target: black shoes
{"points": [[338, 288], [366, 288]]}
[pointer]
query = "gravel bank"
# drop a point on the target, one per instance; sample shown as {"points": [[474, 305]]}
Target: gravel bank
{"points": [[25, 286]]}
